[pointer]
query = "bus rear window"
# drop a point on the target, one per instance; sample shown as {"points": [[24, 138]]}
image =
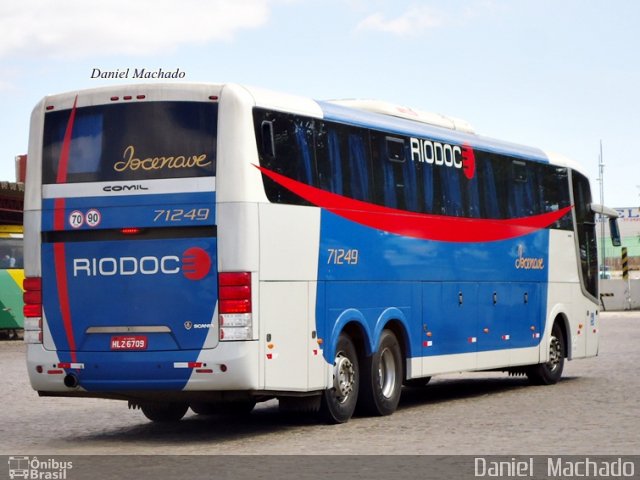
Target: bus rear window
{"points": [[133, 141]]}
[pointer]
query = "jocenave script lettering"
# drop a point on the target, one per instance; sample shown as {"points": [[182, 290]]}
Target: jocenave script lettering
{"points": [[130, 162]]}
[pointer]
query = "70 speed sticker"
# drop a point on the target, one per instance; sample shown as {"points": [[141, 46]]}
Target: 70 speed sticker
{"points": [[92, 218]]}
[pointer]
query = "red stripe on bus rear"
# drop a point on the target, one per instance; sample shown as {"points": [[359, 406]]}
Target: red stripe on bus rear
{"points": [[63, 165], [66, 146], [58, 214], [63, 296], [59, 224]]}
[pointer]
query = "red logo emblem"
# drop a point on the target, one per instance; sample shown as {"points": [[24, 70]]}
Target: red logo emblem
{"points": [[468, 162], [196, 263]]}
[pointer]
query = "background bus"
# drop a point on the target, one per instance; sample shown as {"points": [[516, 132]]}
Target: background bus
{"points": [[11, 278], [211, 246]]}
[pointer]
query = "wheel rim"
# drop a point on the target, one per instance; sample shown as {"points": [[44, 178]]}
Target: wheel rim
{"points": [[387, 372], [344, 377], [555, 354]]}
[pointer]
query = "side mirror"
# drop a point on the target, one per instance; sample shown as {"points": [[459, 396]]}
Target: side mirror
{"points": [[613, 221], [615, 232]]}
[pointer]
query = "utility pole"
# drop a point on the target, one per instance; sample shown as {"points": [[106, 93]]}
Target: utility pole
{"points": [[601, 219]]}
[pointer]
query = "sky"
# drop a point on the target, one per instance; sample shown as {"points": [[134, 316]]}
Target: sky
{"points": [[560, 75]]}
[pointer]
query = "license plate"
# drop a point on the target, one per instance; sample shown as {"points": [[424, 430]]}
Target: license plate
{"points": [[131, 342]]}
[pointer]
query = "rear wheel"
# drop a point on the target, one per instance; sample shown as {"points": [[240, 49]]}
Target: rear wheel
{"points": [[339, 402], [164, 412], [382, 375], [550, 372]]}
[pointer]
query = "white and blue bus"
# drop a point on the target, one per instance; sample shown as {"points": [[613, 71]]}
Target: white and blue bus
{"points": [[213, 246]]}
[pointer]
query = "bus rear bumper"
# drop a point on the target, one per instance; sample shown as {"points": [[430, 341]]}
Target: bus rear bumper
{"points": [[230, 366]]}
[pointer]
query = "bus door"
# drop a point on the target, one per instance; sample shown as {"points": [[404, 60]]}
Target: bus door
{"points": [[585, 227], [450, 324], [508, 318]]}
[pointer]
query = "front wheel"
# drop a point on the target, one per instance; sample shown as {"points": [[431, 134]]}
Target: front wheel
{"points": [[339, 402], [550, 372], [382, 375]]}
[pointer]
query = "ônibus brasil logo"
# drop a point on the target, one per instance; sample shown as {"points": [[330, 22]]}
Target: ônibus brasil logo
{"points": [[195, 264]]}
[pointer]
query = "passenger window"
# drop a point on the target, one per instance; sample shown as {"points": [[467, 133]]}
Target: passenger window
{"points": [[286, 147], [343, 161]]}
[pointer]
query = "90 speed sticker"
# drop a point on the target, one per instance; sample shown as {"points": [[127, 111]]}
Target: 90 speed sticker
{"points": [[93, 217]]}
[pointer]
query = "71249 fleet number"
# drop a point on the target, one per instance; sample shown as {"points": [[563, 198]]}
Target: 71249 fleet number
{"points": [[342, 256]]}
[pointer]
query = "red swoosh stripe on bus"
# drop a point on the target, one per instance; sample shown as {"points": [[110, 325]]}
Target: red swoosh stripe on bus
{"points": [[417, 225], [59, 256], [63, 296], [63, 165]]}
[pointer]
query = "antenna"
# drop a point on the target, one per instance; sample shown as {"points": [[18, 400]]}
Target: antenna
{"points": [[601, 219]]}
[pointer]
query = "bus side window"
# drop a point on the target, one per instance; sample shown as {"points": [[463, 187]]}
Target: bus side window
{"points": [[426, 186], [451, 193], [498, 186], [517, 186], [335, 162], [491, 203], [388, 159], [554, 190], [412, 195], [343, 160], [395, 181], [359, 166], [285, 143], [303, 132], [525, 194], [472, 197]]}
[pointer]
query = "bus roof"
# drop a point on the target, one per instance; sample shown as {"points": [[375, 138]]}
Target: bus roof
{"points": [[357, 113], [404, 126]]}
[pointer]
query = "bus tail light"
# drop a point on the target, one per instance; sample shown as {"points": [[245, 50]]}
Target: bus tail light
{"points": [[131, 231], [32, 309], [234, 306]]}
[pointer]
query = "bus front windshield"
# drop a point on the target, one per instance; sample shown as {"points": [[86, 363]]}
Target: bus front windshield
{"points": [[131, 141]]}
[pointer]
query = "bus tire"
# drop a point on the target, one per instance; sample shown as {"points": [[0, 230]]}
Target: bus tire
{"points": [[550, 372], [382, 375], [339, 402], [164, 412]]}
